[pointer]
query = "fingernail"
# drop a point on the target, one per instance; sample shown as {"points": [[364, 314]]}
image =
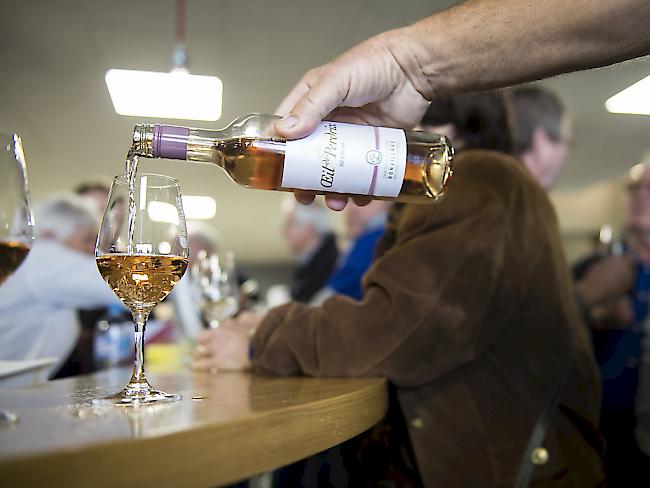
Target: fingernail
{"points": [[288, 122], [336, 204]]}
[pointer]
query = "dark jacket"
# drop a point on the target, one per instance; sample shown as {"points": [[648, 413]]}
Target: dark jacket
{"points": [[313, 275], [467, 312]]}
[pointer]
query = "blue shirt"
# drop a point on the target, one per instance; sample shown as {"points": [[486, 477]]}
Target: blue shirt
{"points": [[346, 280], [619, 351]]}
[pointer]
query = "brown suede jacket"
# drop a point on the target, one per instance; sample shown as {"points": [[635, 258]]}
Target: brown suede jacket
{"points": [[466, 310]]}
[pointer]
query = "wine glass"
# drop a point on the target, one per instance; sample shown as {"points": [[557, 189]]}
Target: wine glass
{"points": [[142, 268], [217, 279], [16, 222]]}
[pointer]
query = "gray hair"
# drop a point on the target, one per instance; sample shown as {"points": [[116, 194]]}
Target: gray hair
{"points": [[315, 215], [534, 107], [62, 214]]}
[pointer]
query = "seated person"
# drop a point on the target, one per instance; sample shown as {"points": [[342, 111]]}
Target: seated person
{"points": [[615, 290], [467, 310], [365, 227], [39, 302], [309, 234], [188, 297]]}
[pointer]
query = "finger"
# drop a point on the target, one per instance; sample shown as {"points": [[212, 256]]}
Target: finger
{"points": [[335, 202], [200, 353], [304, 197], [298, 91], [362, 201], [204, 337], [318, 100], [202, 365]]}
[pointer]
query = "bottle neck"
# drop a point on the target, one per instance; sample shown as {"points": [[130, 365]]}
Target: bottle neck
{"points": [[160, 141], [174, 142]]}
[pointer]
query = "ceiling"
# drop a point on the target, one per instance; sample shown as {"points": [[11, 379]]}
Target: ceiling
{"points": [[53, 57]]}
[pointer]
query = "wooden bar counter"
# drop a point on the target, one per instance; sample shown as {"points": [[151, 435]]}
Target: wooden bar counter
{"points": [[227, 427]]}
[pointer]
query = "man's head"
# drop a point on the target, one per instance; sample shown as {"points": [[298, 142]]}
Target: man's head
{"points": [[69, 219], [203, 238], [638, 209], [471, 121], [358, 218], [541, 132], [96, 190], [305, 225]]}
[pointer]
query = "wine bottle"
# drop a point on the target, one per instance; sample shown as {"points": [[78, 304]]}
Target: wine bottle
{"points": [[341, 158]]}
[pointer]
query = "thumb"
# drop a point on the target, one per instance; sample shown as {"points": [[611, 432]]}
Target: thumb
{"points": [[313, 102]]}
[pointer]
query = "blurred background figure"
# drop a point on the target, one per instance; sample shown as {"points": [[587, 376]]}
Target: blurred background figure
{"points": [[309, 234], [186, 297], [541, 132], [364, 226], [615, 290], [38, 303], [190, 296], [471, 121], [97, 191]]}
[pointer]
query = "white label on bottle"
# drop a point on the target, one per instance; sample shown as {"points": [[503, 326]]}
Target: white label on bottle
{"points": [[347, 158]]}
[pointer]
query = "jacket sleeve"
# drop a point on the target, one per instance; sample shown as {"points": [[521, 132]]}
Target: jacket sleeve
{"points": [[425, 299]]}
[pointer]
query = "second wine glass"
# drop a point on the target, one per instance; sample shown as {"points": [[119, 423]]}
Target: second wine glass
{"points": [[217, 279], [142, 260], [16, 223]]}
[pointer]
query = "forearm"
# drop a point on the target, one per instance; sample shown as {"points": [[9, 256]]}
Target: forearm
{"points": [[483, 44]]}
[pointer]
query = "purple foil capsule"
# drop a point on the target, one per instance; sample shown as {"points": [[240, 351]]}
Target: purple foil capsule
{"points": [[170, 141]]}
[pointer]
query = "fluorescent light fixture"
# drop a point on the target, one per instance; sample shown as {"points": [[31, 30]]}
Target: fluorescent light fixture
{"points": [[199, 207], [174, 95], [163, 212], [635, 99], [194, 206]]}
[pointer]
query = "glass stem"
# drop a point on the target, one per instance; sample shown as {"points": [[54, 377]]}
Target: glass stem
{"points": [[140, 321]]}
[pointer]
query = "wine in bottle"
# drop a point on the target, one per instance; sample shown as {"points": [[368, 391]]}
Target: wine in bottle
{"points": [[337, 158]]}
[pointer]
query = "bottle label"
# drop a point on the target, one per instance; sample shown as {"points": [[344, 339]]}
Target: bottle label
{"points": [[347, 158]]}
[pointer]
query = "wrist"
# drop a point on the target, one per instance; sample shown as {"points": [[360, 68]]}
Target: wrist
{"points": [[410, 49]]}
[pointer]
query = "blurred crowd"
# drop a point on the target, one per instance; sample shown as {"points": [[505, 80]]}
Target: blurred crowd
{"points": [[56, 305]]}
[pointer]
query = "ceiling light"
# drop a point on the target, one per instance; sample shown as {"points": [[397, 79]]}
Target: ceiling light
{"points": [[635, 99], [163, 212], [174, 95], [199, 207], [194, 207]]}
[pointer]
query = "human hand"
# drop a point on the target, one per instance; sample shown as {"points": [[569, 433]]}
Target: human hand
{"points": [[607, 279], [379, 82], [226, 347], [615, 314]]}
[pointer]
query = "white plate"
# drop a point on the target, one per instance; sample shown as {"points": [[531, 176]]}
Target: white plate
{"points": [[24, 372]]}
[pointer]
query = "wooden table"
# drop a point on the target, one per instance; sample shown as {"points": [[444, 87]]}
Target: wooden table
{"points": [[244, 425]]}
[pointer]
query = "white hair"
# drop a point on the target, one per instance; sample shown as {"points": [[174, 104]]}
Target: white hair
{"points": [[61, 215], [315, 215]]}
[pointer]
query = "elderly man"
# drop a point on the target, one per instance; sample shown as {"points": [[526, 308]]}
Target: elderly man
{"points": [[39, 302], [365, 227], [308, 232], [616, 292]]}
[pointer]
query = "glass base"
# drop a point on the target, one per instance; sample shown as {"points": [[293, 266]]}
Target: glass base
{"points": [[138, 394]]}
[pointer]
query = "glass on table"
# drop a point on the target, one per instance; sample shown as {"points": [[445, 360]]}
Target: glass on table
{"points": [[16, 222], [142, 252], [217, 279]]}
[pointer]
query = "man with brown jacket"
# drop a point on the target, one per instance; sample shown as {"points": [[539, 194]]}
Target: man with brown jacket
{"points": [[468, 311]]}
